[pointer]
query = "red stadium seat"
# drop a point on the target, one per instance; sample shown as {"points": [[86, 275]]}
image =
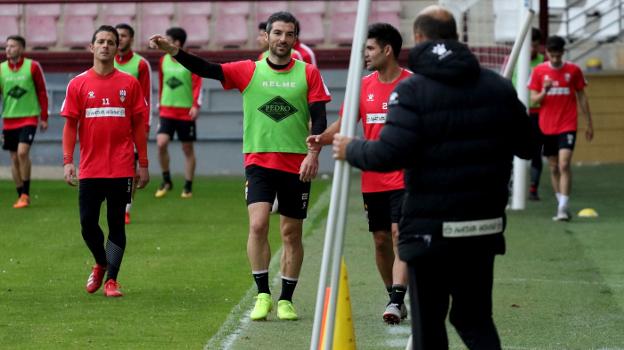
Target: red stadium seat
{"points": [[81, 10], [119, 13], [344, 6], [195, 8], [342, 27], [266, 8], [9, 21], [232, 20], [197, 28], [386, 11], [234, 8], [386, 6], [300, 7], [41, 20], [312, 30], [77, 31], [387, 17], [155, 19]]}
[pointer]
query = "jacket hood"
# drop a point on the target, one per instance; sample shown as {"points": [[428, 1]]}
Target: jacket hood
{"points": [[449, 62]]}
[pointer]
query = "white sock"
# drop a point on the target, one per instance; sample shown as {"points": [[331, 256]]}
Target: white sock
{"points": [[128, 207], [558, 195], [563, 202]]}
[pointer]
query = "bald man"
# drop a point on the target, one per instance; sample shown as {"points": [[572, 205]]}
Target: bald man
{"points": [[445, 128]]}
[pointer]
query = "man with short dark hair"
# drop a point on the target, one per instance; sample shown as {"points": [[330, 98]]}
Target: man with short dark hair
{"points": [[558, 85], [180, 96], [446, 129], [382, 192], [280, 98], [134, 64], [106, 108], [24, 106]]}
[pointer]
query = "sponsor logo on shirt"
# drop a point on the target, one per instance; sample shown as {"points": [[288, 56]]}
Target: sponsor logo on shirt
{"points": [[376, 118], [370, 98], [17, 92], [558, 91], [456, 229], [278, 109], [102, 112], [174, 83], [280, 84]]}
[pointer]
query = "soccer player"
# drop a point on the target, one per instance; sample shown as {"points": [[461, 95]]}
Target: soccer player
{"points": [[24, 99], [280, 97], [557, 86], [180, 100], [382, 192], [132, 63], [106, 108]]}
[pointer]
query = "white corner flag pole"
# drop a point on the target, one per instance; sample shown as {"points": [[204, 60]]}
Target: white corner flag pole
{"points": [[521, 166], [337, 216]]}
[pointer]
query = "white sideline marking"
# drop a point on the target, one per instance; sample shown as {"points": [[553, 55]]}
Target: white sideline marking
{"points": [[238, 319], [544, 280], [396, 330]]}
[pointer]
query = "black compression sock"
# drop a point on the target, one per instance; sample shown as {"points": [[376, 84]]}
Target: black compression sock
{"points": [[398, 294], [262, 281], [26, 187], [288, 288], [19, 190], [188, 186], [166, 177]]}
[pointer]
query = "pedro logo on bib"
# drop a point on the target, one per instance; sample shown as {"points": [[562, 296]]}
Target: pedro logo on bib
{"points": [[278, 109]]}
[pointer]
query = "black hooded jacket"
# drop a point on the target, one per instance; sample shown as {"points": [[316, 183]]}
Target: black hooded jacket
{"points": [[454, 127]]}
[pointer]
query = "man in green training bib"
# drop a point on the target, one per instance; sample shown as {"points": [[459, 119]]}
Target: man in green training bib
{"points": [[280, 98], [180, 100], [24, 99]]}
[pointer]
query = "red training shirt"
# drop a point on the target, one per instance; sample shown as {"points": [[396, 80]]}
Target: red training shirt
{"points": [[306, 52], [558, 112], [42, 97], [110, 112], [374, 96], [237, 75]]}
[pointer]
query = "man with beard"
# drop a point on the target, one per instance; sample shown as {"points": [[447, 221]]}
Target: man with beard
{"points": [[280, 97]]}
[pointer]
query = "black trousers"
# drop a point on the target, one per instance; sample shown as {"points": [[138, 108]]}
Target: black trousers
{"points": [[91, 195], [465, 283]]}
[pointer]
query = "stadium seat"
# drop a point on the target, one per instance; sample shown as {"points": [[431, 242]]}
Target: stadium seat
{"points": [[9, 21], [155, 18], [77, 31], [386, 12], [195, 8], [266, 8], [232, 18], [342, 28], [81, 10], [41, 25], [300, 7], [344, 6], [387, 17], [386, 6], [197, 28], [119, 13], [312, 30]]}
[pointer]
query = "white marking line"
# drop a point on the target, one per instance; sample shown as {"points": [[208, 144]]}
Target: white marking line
{"points": [[238, 319], [396, 330], [545, 280]]}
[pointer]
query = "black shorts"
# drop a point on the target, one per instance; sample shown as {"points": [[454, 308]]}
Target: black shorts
{"points": [[553, 143], [92, 192], [383, 209], [186, 129], [263, 184], [11, 138]]}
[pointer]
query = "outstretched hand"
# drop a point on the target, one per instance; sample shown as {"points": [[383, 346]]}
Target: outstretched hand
{"points": [[160, 42]]}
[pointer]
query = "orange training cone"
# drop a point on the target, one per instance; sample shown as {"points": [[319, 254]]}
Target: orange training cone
{"points": [[344, 335]]}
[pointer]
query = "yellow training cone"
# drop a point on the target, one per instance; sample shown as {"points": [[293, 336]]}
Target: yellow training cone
{"points": [[344, 335], [588, 213]]}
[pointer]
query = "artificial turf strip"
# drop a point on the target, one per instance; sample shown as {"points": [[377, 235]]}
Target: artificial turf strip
{"points": [[185, 268]]}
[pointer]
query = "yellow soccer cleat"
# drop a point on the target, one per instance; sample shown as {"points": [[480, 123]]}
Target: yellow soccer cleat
{"points": [[163, 189], [263, 306]]}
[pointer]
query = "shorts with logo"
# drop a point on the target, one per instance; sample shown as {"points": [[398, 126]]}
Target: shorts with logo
{"points": [[553, 143], [186, 129], [11, 138], [263, 184], [383, 209]]}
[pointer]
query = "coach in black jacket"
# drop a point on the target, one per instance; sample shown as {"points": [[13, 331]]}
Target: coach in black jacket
{"points": [[454, 127]]}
